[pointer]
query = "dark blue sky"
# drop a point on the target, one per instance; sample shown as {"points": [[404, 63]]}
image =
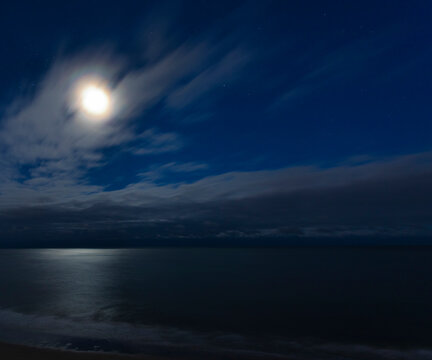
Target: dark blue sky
{"points": [[232, 119]]}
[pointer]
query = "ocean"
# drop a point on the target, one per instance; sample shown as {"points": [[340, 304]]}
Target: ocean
{"points": [[260, 303]]}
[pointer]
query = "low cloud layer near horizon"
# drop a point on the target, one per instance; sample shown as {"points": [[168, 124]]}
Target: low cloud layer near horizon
{"points": [[49, 193], [378, 198]]}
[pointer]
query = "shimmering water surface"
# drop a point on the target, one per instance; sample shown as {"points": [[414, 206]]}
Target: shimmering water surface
{"points": [[263, 300]]}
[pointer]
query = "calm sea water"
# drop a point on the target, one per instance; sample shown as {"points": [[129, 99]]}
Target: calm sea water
{"points": [[309, 302]]}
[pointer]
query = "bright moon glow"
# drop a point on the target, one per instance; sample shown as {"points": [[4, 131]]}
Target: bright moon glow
{"points": [[95, 100]]}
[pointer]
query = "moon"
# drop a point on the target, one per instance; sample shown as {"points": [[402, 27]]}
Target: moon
{"points": [[95, 101], [92, 100]]}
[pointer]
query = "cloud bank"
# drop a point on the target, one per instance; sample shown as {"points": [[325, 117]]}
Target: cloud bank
{"points": [[379, 198]]}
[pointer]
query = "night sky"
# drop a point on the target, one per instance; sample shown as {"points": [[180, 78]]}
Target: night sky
{"points": [[231, 122]]}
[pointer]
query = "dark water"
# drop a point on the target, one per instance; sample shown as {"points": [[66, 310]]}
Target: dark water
{"points": [[317, 303]]}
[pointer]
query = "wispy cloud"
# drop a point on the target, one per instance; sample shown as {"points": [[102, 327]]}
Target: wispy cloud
{"points": [[153, 142], [204, 82], [47, 148], [157, 172], [341, 65]]}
